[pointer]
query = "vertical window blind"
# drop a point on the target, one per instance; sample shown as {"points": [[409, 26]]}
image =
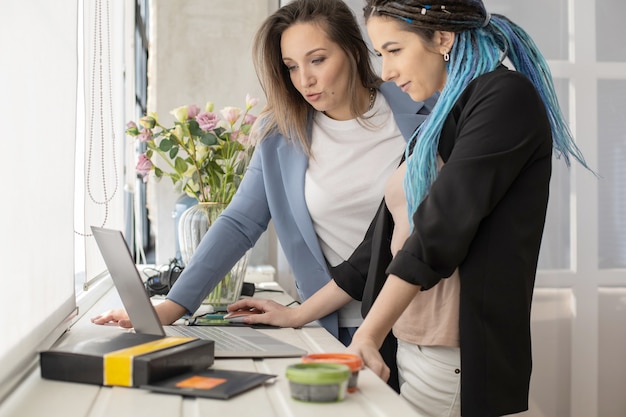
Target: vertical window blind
{"points": [[101, 142]]}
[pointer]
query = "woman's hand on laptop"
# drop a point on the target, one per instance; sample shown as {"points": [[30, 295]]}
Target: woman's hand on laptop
{"points": [[118, 316], [266, 312], [168, 312], [328, 299]]}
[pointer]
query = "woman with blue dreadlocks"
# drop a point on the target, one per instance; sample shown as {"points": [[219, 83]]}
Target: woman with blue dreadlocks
{"points": [[469, 206]]}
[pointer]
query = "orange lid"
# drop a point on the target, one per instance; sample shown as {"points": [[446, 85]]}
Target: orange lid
{"points": [[352, 361]]}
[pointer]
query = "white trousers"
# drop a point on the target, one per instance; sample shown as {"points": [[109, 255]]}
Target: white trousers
{"points": [[430, 379]]}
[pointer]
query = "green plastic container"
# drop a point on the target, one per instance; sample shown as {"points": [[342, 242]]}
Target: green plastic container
{"points": [[352, 361], [318, 382]]}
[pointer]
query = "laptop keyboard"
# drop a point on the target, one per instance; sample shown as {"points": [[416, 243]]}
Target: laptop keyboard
{"points": [[224, 341]]}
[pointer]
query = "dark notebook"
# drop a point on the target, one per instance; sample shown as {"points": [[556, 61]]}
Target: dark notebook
{"points": [[210, 383]]}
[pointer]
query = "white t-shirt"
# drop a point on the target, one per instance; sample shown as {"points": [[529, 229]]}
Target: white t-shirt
{"points": [[345, 182]]}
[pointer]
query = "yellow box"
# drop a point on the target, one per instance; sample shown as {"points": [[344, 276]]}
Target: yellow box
{"points": [[128, 360]]}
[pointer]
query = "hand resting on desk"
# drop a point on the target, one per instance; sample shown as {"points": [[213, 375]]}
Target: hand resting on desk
{"points": [[368, 351]]}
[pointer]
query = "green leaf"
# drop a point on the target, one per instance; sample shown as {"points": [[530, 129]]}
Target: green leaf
{"points": [[194, 128], [158, 172], [173, 152], [180, 165], [219, 131], [214, 168], [166, 144], [208, 139]]}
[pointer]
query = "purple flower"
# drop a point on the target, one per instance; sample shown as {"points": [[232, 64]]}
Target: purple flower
{"points": [[251, 101], [145, 135], [231, 114], [144, 165], [132, 129], [192, 111], [207, 121], [240, 137], [249, 119]]}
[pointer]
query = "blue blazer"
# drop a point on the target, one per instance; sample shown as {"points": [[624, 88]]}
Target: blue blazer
{"points": [[273, 189]]}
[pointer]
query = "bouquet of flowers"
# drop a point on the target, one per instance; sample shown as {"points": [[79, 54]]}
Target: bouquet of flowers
{"points": [[205, 155]]}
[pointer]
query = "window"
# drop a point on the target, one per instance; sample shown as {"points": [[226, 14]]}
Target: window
{"points": [[100, 186], [38, 104], [61, 116]]}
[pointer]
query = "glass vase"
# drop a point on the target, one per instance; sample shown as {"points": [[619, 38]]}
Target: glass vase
{"points": [[193, 224]]}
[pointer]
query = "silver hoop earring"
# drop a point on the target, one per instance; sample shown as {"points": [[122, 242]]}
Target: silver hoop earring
{"points": [[446, 56]]}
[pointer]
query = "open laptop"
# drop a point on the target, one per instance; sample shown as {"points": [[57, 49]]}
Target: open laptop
{"points": [[230, 342]]}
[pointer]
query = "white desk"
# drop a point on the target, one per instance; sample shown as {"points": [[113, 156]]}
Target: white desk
{"points": [[38, 397]]}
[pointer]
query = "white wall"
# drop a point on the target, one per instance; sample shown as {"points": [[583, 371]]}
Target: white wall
{"points": [[199, 51]]}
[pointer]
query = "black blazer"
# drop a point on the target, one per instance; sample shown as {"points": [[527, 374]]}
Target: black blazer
{"points": [[485, 214], [363, 275]]}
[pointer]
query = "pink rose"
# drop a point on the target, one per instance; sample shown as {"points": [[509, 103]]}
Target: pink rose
{"points": [[192, 111], [207, 121], [144, 165], [251, 101], [231, 114], [240, 137], [249, 119], [132, 129], [145, 135]]}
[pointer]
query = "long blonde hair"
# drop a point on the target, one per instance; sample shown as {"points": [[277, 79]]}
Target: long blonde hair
{"points": [[287, 112]]}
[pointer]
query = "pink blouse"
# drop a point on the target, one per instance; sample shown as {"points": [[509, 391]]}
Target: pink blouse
{"points": [[432, 317]]}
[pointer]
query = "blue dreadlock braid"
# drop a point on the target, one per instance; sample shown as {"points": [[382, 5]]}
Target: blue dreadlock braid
{"points": [[475, 52], [527, 59]]}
